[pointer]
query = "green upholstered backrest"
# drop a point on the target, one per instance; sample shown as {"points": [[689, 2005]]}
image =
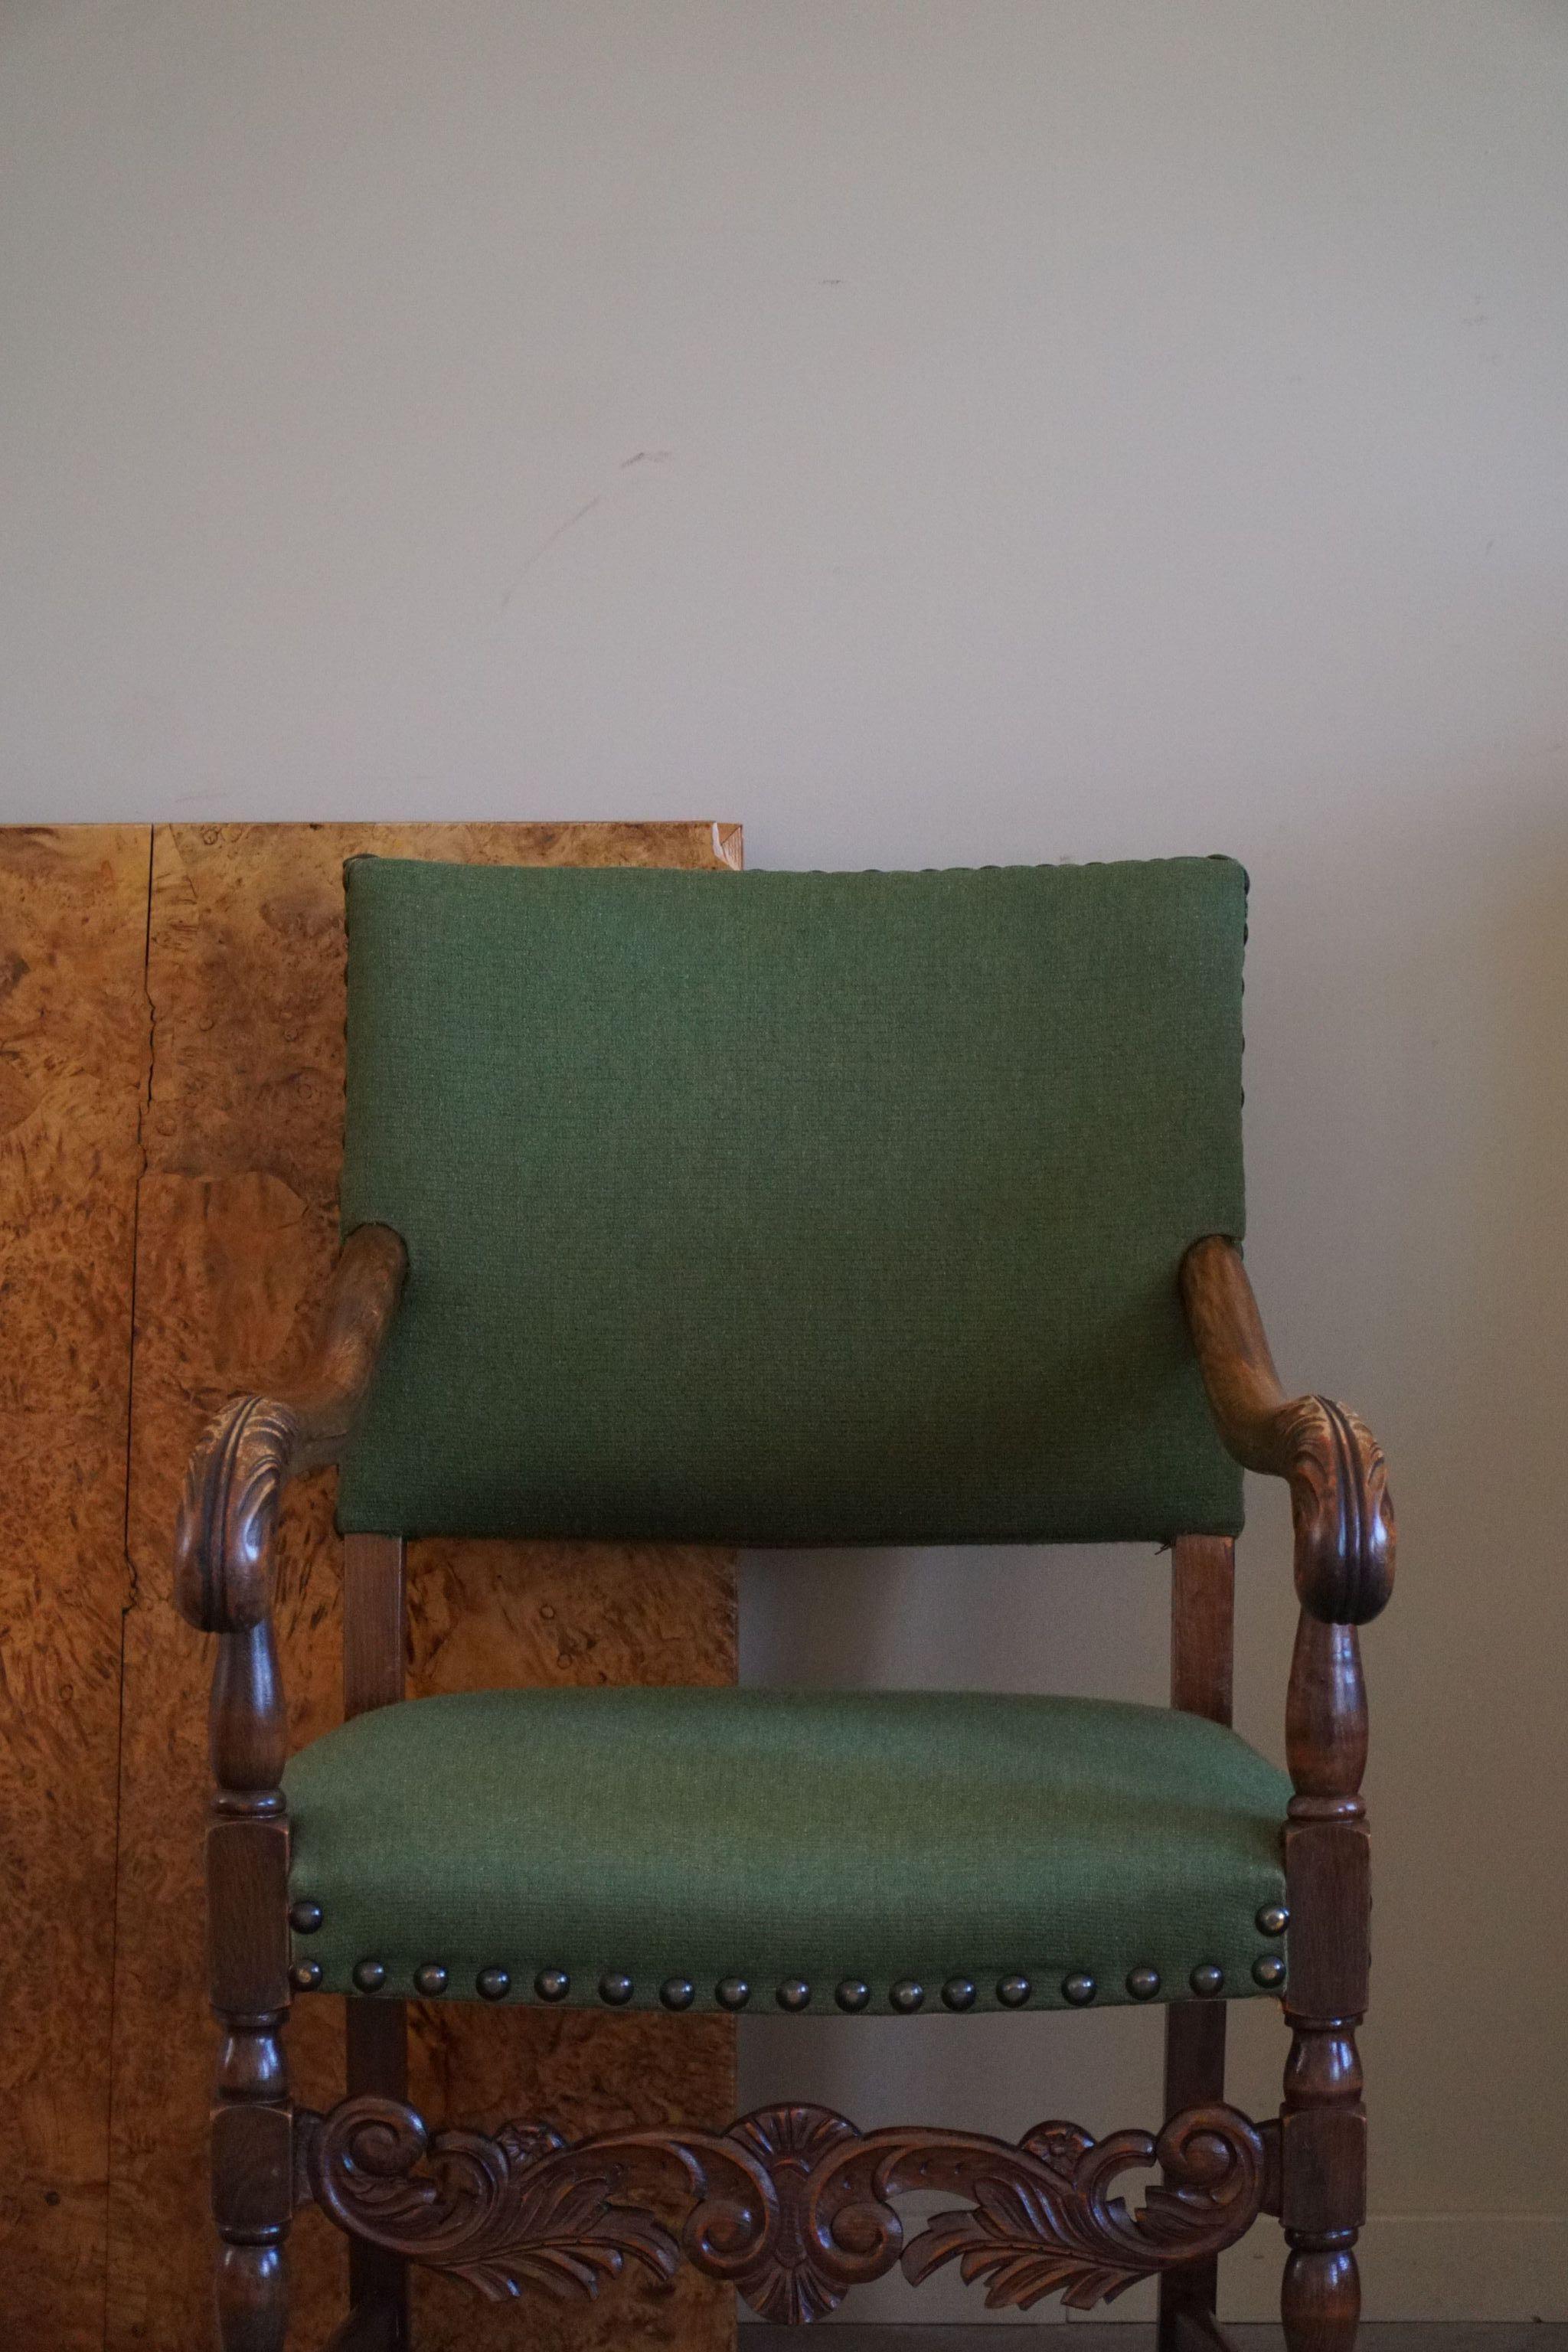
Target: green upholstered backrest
{"points": [[793, 1207]]}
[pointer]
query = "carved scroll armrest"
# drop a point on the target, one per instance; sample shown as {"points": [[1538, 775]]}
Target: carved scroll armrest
{"points": [[223, 1541], [1339, 1493]]}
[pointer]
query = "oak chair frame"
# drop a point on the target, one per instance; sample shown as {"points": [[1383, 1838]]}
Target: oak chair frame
{"points": [[790, 2205]]}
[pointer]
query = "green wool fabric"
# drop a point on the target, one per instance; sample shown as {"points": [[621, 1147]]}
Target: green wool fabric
{"points": [[884, 1835], [793, 1207]]}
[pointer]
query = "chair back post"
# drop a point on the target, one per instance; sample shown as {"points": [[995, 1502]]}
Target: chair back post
{"points": [[375, 1649], [1203, 1628]]}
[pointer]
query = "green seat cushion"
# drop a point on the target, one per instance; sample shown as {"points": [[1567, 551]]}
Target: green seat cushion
{"points": [[793, 1207], [699, 1834]]}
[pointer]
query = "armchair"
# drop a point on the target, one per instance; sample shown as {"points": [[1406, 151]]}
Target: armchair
{"points": [[931, 1185]]}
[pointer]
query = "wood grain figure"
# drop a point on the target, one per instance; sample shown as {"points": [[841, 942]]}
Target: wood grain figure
{"points": [[73, 1062], [238, 1235], [171, 1096]]}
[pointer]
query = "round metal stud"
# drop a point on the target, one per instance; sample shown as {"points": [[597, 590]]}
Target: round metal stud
{"points": [[958, 1993], [492, 1984], [1014, 1991], [677, 1992], [1268, 1970], [1079, 1989], [1142, 1983], [1273, 1919], [305, 1975], [430, 1979], [732, 1992], [1206, 1980], [907, 1996], [553, 1984], [369, 1975], [852, 1995], [304, 1918], [614, 1990], [795, 1993]]}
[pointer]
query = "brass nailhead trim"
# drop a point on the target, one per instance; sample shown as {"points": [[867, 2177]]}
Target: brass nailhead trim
{"points": [[1273, 1919], [852, 1994], [304, 1918], [305, 1975]]}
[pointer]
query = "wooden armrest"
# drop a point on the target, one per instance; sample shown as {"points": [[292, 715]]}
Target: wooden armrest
{"points": [[223, 1540], [1339, 1493]]}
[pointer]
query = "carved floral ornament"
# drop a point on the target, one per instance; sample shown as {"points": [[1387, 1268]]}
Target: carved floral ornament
{"points": [[790, 2205]]}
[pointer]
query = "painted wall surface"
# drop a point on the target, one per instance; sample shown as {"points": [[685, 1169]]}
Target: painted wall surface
{"points": [[932, 432]]}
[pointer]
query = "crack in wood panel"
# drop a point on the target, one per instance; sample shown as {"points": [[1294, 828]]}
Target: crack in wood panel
{"points": [[237, 1228]]}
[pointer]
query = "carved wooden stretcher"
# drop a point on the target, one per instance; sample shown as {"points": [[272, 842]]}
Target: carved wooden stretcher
{"points": [[794, 2206]]}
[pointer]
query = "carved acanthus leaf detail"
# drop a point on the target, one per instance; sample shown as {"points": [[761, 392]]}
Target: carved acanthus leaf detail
{"points": [[500, 2213], [791, 2205]]}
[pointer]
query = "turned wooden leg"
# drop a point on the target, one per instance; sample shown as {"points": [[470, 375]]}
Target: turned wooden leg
{"points": [[1324, 2200], [1322, 2124], [252, 2157], [1320, 2303], [252, 2299], [247, 1958]]}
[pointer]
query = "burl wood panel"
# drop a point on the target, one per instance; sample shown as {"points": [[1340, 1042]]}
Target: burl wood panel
{"points": [[73, 1049], [236, 1230]]}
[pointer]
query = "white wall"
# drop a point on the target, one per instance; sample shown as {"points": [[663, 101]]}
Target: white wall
{"points": [[932, 430]]}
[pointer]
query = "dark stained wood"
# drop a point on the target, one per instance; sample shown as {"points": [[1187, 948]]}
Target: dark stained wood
{"points": [[228, 1513], [369, 2328], [375, 2033], [1339, 1502], [1322, 2152], [375, 1621], [1326, 1722], [1203, 1610], [790, 2205], [74, 1023], [235, 1225], [247, 1974], [223, 1584], [1195, 2077], [237, 1235], [1200, 2331], [1345, 1531]]}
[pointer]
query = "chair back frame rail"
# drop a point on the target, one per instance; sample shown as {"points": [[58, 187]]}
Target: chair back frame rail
{"points": [[790, 2205]]}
